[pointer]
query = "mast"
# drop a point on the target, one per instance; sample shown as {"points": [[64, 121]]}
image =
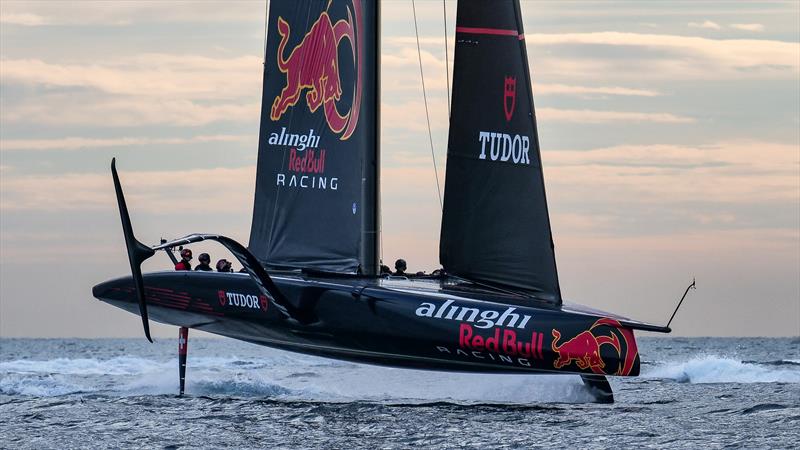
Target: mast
{"points": [[370, 243]]}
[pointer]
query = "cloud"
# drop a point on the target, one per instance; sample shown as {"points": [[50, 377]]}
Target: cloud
{"points": [[755, 27], [145, 89], [75, 143], [646, 55], [149, 191], [410, 115], [705, 24], [742, 172], [106, 13], [686, 57], [594, 116], [565, 89], [105, 111], [25, 19], [153, 74]]}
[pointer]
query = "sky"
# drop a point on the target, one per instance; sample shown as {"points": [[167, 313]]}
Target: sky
{"points": [[669, 131]]}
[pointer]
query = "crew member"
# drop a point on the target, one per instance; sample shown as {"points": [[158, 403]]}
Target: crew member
{"points": [[184, 264], [223, 265], [205, 260], [400, 267]]}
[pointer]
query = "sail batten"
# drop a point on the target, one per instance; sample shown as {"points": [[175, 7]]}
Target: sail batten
{"points": [[495, 223], [316, 184]]}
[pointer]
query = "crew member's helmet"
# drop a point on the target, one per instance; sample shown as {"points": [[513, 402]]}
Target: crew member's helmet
{"points": [[400, 264], [186, 254], [223, 265], [204, 258]]}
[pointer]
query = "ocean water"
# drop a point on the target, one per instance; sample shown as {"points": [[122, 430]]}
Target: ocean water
{"points": [[119, 393]]}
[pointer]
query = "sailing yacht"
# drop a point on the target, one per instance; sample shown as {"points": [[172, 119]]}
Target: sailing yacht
{"points": [[312, 282]]}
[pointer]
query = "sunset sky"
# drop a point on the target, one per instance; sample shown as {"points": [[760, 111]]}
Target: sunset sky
{"points": [[670, 135]]}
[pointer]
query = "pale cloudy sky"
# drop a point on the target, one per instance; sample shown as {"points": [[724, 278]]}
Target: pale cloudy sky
{"points": [[670, 136]]}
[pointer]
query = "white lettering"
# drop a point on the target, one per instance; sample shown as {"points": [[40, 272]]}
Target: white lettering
{"points": [[483, 137], [442, 308], [299, 141], [517, 148], [426, 310], [486, 318], [492, 152], [243, 300], [505, 147], [525, 145], [464, 310]]}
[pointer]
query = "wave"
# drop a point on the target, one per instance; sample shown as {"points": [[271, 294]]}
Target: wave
{"points": [[289, 378], [718, 369]]}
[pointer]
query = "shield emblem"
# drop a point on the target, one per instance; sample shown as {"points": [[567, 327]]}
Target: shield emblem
{"points": [[263, 302], [509, 97]]}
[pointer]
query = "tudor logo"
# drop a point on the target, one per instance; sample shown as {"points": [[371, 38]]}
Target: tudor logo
{"points": [[509, 97], [250, 301]]}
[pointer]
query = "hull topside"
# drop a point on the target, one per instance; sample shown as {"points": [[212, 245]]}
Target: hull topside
{"points": [[425, 324]]}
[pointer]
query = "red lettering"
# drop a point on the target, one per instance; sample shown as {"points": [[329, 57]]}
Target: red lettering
{"points": [[464, 335], [509, 345], [509, 339], [493, 343]]}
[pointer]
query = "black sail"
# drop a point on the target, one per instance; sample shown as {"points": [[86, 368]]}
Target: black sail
{"points": [[495, 225], [316, 196]]}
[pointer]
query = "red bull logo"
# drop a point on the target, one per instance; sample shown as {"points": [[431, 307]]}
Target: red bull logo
{"points": [[313, 67], [584, 349]]}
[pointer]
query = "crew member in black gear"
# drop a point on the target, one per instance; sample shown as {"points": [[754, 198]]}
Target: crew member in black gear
{"points": [[223, 265], [400, 267], [205, 260], [184, 264]]}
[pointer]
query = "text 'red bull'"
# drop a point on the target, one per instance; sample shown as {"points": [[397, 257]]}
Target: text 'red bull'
{"points": [[314, 64], [505, 343]]}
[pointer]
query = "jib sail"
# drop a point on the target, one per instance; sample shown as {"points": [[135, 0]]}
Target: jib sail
{"points": [[316, 185], [495, 225]]}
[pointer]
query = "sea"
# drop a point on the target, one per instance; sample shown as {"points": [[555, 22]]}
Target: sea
{"points": [[122, 393]]}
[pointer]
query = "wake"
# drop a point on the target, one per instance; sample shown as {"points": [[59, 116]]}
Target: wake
{"points": [[301, 378], [718, 369]]}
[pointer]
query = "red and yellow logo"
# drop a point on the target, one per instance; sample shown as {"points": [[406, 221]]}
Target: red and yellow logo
{"points": [[314, 65], [584, 349]]}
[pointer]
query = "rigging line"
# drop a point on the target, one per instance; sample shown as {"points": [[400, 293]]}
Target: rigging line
{"points": [[446, 57], [266, 21], [425, 99]]}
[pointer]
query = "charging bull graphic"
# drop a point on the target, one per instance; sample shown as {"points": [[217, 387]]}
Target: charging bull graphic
{"points": [[314, 64], [584, 349]]}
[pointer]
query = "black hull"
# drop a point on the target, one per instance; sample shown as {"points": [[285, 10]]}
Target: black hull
{"points": [[421, 324]]}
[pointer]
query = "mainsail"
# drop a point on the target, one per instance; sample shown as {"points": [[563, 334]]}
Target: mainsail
{"points": [[495, 225], [316, 194]]}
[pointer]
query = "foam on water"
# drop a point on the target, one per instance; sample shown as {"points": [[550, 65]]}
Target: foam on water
{"points": [[718, 369], [299, 379], [290, 377]]}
